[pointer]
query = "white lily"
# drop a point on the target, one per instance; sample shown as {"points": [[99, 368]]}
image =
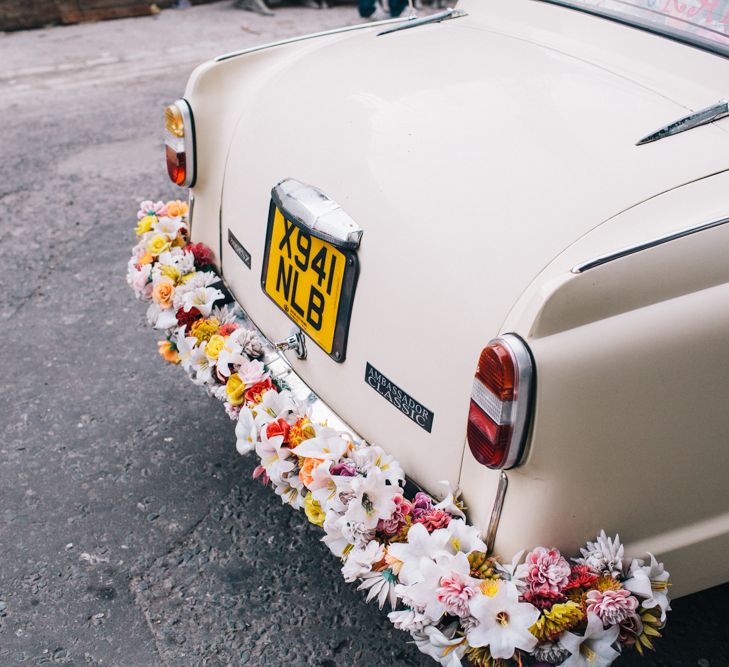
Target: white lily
{"points": [[368, 458], [274, 457], [373, 499], [594, 648], [448, 504], [434, 643], [420, 545], [185, 346], [328, 444], [246, 432], [200, 365], [428, 596], [201, 298], [168, 226], [650, 582], [503, 622], [463, 537]]}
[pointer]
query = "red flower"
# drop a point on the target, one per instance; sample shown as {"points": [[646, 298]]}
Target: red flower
{"points": [[255, 393], [279, 427], [187, 318], [227, 329], [203, 255], [434, 519], [581, 577]]}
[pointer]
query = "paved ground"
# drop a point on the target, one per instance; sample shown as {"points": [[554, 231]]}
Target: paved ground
{"points": [[126, 539]]}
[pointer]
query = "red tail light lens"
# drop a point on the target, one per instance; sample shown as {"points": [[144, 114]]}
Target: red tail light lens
{"points": [[180, 143], [498, 419]]}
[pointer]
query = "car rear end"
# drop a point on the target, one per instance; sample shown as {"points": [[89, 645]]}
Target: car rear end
{"points": [[467, 169]]}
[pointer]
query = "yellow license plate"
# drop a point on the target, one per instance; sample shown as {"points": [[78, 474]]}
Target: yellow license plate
{"points": [[311, 280]]}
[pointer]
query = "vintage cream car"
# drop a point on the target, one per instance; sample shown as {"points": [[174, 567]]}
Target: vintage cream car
{"points": [[495, 242]]}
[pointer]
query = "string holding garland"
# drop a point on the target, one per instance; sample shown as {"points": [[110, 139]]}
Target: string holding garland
{"points": [[411, 552]]}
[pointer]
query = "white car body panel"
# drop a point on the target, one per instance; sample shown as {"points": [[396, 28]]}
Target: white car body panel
{"points": [[484, 157]]}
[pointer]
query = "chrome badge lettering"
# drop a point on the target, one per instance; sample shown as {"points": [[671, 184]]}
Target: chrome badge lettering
{"points": [[399, 398]]}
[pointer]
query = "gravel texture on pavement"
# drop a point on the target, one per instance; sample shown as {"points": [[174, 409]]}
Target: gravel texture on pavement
{"points": [[131, 531]]}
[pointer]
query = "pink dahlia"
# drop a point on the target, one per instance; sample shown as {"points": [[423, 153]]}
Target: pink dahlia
{"points": [[548, 573], [612, 607], [434, 519], [455, 594]]}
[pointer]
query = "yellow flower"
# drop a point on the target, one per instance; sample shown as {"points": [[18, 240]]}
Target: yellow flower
{"points": [[560, 617], [313, 510], [300, 431], [187, 277], [215, 344], [157, 245], [607, 583], [145, 224], [146, 258], [205, 329], [179, 241], [235, 389], [490, 587], [168, 352], [171, 272]]}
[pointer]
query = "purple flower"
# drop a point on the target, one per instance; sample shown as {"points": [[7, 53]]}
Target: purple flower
{"points": [[343, 470], [422, 504]]}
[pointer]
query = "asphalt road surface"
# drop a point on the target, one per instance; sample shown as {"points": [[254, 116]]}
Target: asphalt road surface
{"points": [[131, 531]]}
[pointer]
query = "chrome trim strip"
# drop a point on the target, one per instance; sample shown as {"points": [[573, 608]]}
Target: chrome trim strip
{"points": [[521, 403], [301, 38], [631, 250], [696, 119], [496, 512], [445, 15]]}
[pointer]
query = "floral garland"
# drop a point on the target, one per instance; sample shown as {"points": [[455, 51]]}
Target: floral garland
{"points": [[416, 554]]}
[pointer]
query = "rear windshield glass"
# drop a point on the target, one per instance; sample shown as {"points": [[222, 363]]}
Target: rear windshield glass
{"points": [[704, 23]]}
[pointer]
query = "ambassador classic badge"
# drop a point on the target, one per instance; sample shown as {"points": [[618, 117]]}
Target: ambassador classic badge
{"points": [[400, 399]]}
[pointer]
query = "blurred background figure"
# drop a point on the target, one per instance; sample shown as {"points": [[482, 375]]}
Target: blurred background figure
{"points": [[257, 6], [373, 9]]}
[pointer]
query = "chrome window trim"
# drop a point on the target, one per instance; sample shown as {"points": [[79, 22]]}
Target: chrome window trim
{"points": [[631, 250], [689, 122], [301, 38]]}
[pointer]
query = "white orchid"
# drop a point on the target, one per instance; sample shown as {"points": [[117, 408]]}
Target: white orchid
{"points": [[503, 622], [604, 555], [444, 585], [420, 545], [246, 432], [361, 559], [594, 648], [650, 582], [274, 405], [446, 650], [275, 458], [201, 298], [374, 498]]}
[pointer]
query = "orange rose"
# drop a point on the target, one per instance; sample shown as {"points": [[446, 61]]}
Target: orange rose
{"points": [[146, 258], [168, 352], [306, 470], [162, 293], [176, 208]]}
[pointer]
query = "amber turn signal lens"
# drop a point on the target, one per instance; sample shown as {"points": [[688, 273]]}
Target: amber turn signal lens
{"points": [[174, 123]]}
